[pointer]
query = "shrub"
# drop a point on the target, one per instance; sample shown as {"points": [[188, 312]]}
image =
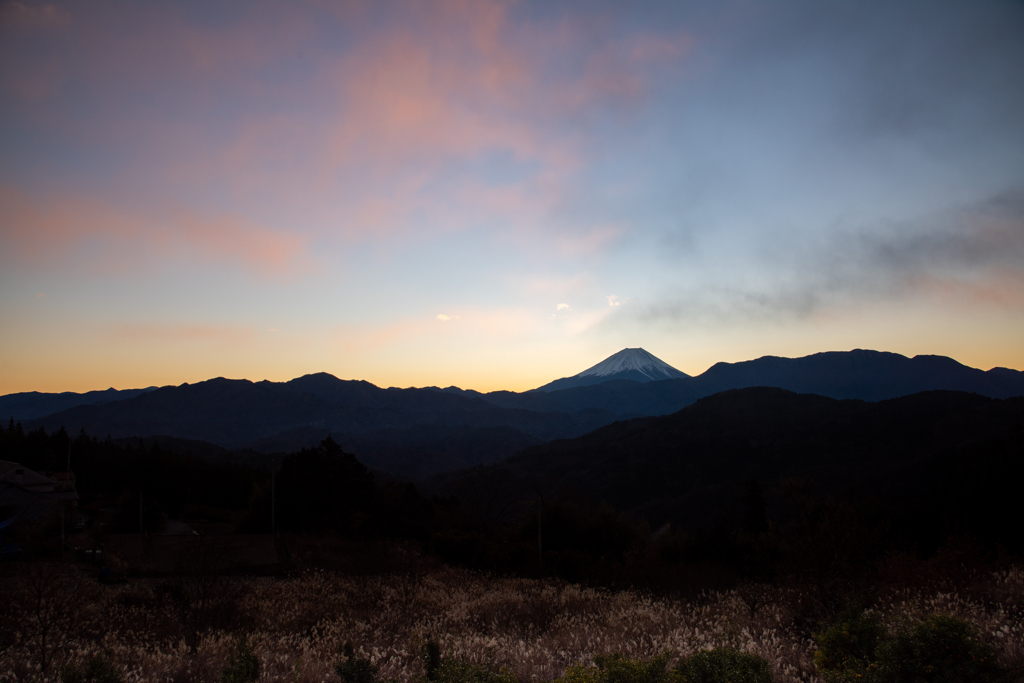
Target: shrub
{"points": [[941, 649], [98, 669], [581, 674], [621, 670], [460, 669], [431, 659], [724, 665], [614, 668], [242, 666], [846, 649], [353, 669]]}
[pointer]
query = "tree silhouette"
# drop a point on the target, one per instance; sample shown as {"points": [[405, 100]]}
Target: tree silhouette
{"points": [[322, 488]]}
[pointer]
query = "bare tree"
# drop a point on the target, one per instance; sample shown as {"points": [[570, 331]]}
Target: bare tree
{"points": [[50, 595], [200, 596], [11, 611], [409, 573]]}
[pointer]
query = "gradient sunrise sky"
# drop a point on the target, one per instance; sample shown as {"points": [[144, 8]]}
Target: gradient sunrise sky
{"points": [[497, 194]]}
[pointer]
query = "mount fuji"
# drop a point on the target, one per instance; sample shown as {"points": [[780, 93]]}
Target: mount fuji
{"points": [[629, 364]]}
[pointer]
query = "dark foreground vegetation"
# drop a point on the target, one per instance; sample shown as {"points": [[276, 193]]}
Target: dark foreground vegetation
{"points": [[487, 628], [835, 540]]}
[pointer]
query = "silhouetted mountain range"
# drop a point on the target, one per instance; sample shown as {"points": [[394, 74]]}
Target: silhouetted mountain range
{"points": [[416, 432], [31, 404], [691, 467], [859, 374], [866, 375]]}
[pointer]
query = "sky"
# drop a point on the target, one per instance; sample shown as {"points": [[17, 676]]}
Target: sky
{"points": [[493, 195]]}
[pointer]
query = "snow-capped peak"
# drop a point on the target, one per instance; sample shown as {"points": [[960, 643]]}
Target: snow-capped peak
{"points": [[637, 360]]}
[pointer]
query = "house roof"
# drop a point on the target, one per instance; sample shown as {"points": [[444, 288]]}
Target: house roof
{"points": [[23, 476], [20, 485]]}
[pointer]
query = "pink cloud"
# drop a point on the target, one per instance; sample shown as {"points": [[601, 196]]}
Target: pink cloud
{"points": [[372, 138], [448, 83], [460, 79], [231, 238], [38, 230], [102, 236]]}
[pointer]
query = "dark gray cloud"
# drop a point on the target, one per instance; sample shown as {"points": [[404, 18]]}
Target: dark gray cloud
{"points": [[985, 236], [978, 246], [831, 154]]}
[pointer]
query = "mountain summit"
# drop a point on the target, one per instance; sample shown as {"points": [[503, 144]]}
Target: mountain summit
{"points": [[631, 364]]}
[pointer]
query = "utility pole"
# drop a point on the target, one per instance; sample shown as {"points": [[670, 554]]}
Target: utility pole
{"points": [[540, 539], [540, 530], [64, 503], [273, 501]]}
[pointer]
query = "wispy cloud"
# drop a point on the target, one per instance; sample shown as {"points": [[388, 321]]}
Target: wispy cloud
{"points": [[94, 236], [963, 256], [442, 117]]}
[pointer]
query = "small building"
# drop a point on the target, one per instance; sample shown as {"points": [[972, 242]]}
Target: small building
{"points": [[28, 496]]}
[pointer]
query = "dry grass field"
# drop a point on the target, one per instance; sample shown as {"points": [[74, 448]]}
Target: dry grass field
{"points": [[181, 629]]}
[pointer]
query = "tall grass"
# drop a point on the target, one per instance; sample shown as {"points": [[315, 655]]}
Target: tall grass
{"points": [[535, 628]]}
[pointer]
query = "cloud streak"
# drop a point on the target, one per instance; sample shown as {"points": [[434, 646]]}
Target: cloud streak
{"points": [[93, 236], [963, 256]]}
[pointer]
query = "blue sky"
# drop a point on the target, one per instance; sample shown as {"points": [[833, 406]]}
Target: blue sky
{"points": [[496, 194]]}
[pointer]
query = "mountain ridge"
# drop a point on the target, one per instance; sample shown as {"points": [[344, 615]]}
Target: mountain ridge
{"points": [[687, 467], [677, 467], [415, 431], [29, 404]]}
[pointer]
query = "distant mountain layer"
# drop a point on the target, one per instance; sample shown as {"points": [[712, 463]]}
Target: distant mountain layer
{"points": [[415, 452], [415, 432], [867, 375], [635, 365], [30, 404], [859, 374], [690, 467]]}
